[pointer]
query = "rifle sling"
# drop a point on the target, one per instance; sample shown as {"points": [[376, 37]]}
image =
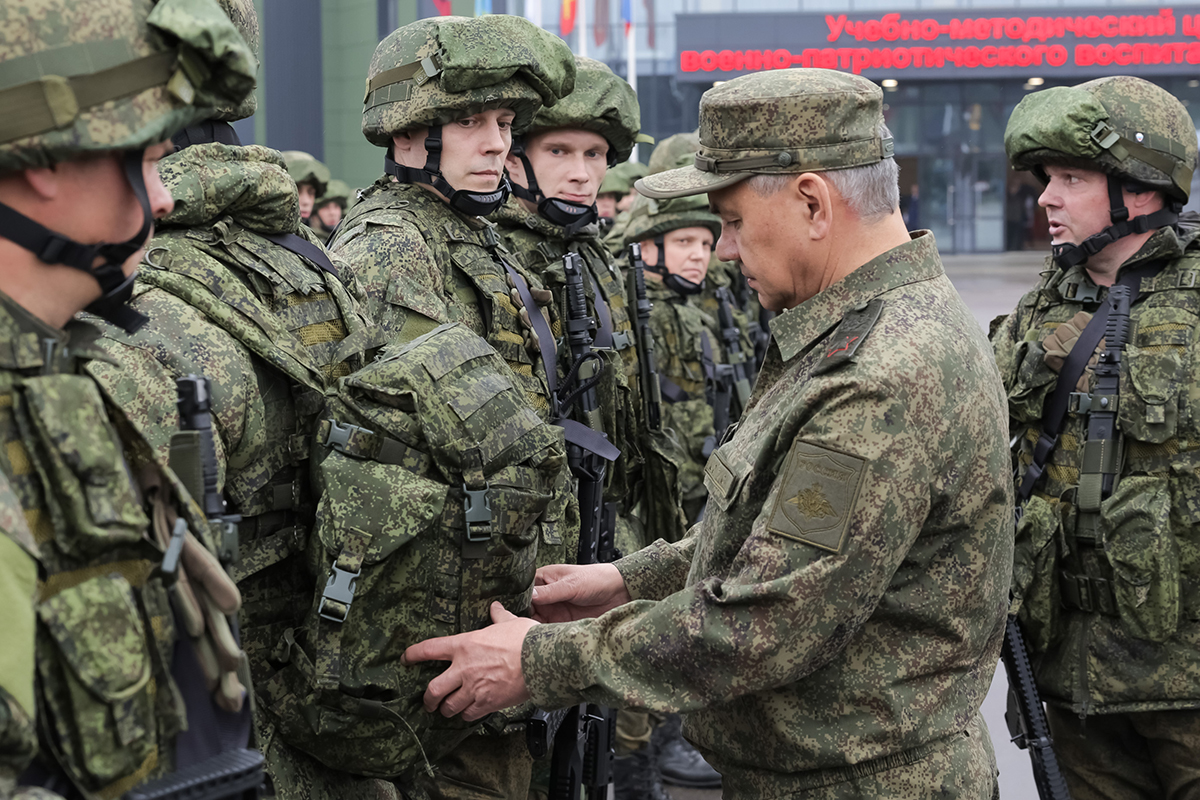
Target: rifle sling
{"points": [[1054, 409], [592, 441], [604, 332], [672, 392], [540, 327], [303, 248]]}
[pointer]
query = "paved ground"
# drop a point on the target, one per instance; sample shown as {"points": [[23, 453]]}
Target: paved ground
{"points": [[991, 284]]}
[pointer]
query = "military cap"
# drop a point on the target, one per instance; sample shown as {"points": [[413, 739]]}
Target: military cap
{"points": [[783, 121], [1119, 125]]}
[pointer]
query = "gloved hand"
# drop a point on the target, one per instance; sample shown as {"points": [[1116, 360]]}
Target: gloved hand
{"points": [[1058, 346], [543, 298]]}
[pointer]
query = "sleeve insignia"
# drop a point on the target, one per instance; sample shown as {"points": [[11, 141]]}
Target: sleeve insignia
{"points": [[817, 495]]}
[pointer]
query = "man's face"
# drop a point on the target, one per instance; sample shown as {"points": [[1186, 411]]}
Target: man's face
{"points": [[308, 196], [606, 205], [330, 215], [626, 202], [1076, 203], [759, 234], [473, 149], [569, 163], [687, 252]]}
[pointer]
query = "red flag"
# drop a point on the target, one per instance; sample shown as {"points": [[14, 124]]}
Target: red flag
{"points": [[443, 7], [650, 22], [600, 22], [567, 19]]}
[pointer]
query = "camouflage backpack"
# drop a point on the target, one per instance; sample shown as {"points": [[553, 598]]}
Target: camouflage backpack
{"points": [[434, 474]]}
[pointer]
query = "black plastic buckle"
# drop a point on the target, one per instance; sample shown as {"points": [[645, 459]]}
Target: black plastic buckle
{"points": [[338, 589], [478, 510], [53, 249]]}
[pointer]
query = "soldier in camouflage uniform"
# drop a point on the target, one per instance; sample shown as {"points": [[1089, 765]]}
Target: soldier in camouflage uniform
{"points": [[1106, 584], [620, 178], [444, 97], [330, 207], [138, 673], [239, 291], [833, 624], [312, 179]]}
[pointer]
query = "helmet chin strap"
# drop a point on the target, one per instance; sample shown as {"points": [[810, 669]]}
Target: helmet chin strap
{"points": [[1068, 254], [572, 216], [54, 248], [476, 204], [676, 283]]}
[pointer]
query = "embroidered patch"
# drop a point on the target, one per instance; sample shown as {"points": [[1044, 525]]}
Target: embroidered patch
{"points": [[842, 344], [817, 495]]}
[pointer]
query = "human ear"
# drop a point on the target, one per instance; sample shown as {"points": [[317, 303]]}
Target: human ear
{"points": [[812, 193]]}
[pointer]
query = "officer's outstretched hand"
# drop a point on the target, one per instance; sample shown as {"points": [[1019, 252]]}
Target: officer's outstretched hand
{"points": [[485, 668], [567, 592]]}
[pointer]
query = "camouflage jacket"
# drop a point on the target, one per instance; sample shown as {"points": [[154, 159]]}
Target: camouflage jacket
{"points": [[1139, 648], [270, 330], [105, 633], [18, 583], [840, 609], [420, 264]]}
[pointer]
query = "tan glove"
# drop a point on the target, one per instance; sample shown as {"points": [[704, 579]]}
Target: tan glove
{"points": [[1060, 341], [543, 298]]}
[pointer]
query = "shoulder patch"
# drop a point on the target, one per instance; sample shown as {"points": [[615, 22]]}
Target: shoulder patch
{"points": [[817, 495], [844, 342]]}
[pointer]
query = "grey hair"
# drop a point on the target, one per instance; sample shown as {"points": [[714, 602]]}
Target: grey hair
{"points": [[871, 192]]}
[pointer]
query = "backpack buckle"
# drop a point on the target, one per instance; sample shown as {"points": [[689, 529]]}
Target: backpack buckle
{"points": [[338, 594], [478, 510]]}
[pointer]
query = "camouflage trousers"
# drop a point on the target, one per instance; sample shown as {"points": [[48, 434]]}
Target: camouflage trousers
{"points": [[483, 767], [295, 775], [1148, 754]]}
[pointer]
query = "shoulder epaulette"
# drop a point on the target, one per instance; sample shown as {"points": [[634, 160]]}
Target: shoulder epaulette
{"points": [[844, 342]]}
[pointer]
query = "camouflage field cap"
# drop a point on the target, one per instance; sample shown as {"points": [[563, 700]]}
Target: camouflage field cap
{"points": [[1120, 125], [112, 74], [649, 217], [619, 179], [338, 191], [783, 121], [305, 168], [669, 150], [440, 69], [602, 103], [245, 19]]}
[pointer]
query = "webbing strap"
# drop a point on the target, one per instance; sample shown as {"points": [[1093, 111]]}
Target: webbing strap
{"points": [[671, 391], [303, 248], [335, 607], [545, 337], [604, 336], [1054, 409], [53, 102]]}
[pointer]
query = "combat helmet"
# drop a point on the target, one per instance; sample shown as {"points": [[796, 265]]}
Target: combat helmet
{"points": [[434, 71], [671, 149], [653, 219], [338, 191], [619, 179], [601, 103], [305, 168], [217, 128], [110, 75], [1135, 132]]}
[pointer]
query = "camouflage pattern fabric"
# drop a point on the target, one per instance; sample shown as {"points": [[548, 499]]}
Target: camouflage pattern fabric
{"points": [[269, 329], [783, 121], [667, 153], [305, 168], [496, 61], [836, 618], [18, 583], [1144, 655], [245, 18], [602, 103], [200, 32]]}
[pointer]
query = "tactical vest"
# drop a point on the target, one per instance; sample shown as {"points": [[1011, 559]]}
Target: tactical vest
{"points": [[108, 707], [1139, 565], [434, 474]]}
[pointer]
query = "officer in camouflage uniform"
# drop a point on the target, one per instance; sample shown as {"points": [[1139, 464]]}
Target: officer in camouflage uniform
{"points": [[1107, 583], [833, 624], [444, 97], [137, 670], [239, 291], [312, 179]]}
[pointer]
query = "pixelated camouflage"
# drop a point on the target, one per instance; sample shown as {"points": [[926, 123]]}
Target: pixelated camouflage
{"points": [[649, 217], [431, 434], [619, 179], [667, 153], [212, 67], [1136, 650], [451, 67], [245, 18], [305, 168], [602, 103], [783, 121], [18, 588], [818, 651], [1120, 125]]}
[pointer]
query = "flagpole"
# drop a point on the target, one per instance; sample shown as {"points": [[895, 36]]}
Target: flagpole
{"points": [[631, 63], [581, 15]]}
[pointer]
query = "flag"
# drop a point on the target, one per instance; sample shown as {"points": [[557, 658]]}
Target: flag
{"points": [[443, 7], [567, 18], [600, 22], [483, 7], [627, 14], [650, 22], [533, 11]]}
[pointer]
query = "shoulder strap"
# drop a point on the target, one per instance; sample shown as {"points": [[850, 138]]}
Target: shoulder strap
{"points": [[303, 248], [540, 327], [1054, 410], [604, 335]]}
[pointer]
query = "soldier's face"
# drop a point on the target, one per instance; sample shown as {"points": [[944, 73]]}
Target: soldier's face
{"points": [[762, 235], [1077, 204], [473, 149], [569, 164], [330, 215], [308, 196], [606, 205], [688, 251]]}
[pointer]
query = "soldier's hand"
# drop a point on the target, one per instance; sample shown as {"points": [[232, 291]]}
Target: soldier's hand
{"points": [[542, 298], [1060, 341], [485, 668], [567, 592]]}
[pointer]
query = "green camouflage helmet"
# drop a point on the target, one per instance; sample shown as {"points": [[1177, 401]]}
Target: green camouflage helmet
{"points": [[338, 191], [437, 70], [619, 179], [650, 218], [304, 168], [245, 19], [87, 76], [1120, 125], [670, 149], [601, 103], [780, 122]]}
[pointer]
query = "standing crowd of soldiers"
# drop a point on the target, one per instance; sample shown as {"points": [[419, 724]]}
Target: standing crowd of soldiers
{"points": [[467, 485]]}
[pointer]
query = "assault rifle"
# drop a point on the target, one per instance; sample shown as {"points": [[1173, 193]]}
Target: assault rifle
{"points": [[1026, 717], [718, 391], [584, 744], [731, 336], [644, 339]]}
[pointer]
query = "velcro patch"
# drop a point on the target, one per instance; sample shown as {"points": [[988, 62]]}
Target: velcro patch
{"points": [[820, 487]]}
